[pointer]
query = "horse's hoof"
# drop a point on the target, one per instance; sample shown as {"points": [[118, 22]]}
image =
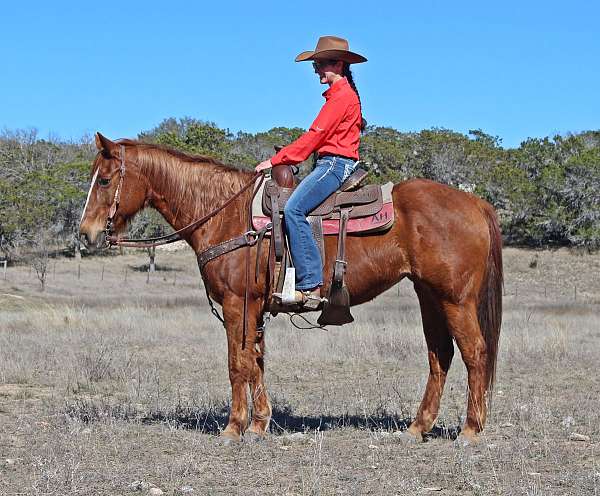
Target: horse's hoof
{"points": [[407, 437], [254, 437], [229, 439]]}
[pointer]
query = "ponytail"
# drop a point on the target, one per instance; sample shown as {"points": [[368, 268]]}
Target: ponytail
{"points": [[347, 73]]}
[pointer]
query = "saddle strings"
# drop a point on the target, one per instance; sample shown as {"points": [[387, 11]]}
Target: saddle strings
{"points": [[310, 324]]}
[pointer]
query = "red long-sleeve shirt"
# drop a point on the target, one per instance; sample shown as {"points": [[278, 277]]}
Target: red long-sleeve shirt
{"points": [[335, 131]]}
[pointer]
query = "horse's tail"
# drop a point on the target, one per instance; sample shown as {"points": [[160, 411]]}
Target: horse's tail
{"points": [[489, 308]]}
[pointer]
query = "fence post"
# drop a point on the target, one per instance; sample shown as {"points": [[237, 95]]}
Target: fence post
{"points": [[77, 248], [575, 292], [5, 262], [78, 271], [102, 276], [151, 255]]}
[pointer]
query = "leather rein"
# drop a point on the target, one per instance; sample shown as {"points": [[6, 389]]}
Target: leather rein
{"points": [[114, 240], [247, 239]]}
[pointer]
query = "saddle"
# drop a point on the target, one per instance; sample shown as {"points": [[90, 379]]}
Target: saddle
{"points": [[352, 208]]}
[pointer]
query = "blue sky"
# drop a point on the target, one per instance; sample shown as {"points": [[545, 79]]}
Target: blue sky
{"points": [[514, 68]]}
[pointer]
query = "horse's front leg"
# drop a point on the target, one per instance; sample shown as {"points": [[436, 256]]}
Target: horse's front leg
{"points": [[245, 369], [261, 406]]}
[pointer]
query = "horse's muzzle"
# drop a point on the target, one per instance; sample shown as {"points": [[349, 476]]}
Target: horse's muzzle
{"points": [[93, 243]]}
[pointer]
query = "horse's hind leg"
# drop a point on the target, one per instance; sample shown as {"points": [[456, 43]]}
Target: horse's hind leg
{"points": [[464, 327], [440, 351]]}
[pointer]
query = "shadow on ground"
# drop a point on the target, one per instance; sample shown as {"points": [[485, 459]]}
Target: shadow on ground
{"points": [[213, 419]]}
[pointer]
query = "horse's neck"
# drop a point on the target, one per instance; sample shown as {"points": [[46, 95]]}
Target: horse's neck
{"points": [[188, 192]]}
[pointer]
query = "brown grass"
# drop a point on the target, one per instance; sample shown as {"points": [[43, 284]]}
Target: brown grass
{"points": [[97, 390]]}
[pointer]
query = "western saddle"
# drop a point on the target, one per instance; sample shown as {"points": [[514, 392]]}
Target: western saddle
{"points": [[350, 203]]}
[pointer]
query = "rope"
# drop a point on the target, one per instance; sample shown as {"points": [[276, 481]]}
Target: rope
{"points": [[310, 324]]}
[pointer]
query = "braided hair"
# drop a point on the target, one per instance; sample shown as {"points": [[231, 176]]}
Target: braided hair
{"points": [[347, 73]]}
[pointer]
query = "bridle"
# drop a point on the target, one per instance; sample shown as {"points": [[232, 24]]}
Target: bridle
{"points": [[111, 239], [108, 228], [247, 239]]}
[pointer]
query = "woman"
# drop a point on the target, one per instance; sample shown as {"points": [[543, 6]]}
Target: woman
{"points": [[335, 136]]}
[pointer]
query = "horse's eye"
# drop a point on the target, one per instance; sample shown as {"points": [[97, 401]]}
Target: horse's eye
{"points": [[103, 181]]}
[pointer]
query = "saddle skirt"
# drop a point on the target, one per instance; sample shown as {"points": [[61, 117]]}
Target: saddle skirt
{"points": [[372, 209]]}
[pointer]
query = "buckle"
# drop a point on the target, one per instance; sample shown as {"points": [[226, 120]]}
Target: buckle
{"points": [[251, 237]]}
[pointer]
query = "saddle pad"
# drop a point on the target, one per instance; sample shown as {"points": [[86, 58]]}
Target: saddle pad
{"points": [[380, 221]]}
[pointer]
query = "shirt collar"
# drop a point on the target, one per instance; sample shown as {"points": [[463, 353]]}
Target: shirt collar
{"points": [[335, 87]]}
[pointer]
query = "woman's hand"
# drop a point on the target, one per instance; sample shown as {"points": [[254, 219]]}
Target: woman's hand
{"points": [[263, 165]]}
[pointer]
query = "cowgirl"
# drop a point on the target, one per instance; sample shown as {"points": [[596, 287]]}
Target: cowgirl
{"points": [[335, 136]]}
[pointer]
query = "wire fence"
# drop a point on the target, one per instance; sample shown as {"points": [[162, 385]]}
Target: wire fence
{"points": [[97, 273], [170, 276]]}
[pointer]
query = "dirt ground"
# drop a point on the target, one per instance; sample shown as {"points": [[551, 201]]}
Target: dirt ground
{"points": [[115, 382]]}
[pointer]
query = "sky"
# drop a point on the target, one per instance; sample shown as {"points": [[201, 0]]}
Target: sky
{"points": [[515, 69]]}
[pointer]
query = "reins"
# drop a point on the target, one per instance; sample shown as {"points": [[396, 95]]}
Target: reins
{"points": [[114, 240], [247, 239]]}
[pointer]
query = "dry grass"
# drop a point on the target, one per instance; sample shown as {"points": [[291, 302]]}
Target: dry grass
{"points": [[104, 382]]}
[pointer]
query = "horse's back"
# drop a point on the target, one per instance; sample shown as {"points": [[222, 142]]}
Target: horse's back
{"points": [[440, 206]]}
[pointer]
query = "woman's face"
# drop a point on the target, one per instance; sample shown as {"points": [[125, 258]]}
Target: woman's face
{"points": [[329, 71]]}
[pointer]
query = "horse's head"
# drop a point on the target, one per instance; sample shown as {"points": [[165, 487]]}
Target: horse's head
{"points": [[102, 195]]}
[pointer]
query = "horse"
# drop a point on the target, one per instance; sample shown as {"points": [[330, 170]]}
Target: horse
{"points": [[446, 241]]}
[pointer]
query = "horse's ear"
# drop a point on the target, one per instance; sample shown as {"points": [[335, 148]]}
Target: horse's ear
{"points": [[105, 145]]}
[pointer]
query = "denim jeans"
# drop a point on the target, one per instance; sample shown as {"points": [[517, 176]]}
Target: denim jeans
{"points": [[328, 175]]}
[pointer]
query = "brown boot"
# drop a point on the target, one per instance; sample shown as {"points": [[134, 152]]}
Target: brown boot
{"points": [[310, 299]]}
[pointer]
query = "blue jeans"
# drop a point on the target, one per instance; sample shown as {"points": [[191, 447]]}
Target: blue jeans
{"points": [[328, 175]]}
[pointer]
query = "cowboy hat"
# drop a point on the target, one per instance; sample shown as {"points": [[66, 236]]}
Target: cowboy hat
{"points": [[334, 48]]}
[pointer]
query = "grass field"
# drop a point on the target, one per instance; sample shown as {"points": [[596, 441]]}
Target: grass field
{"points": [[115, 383]]}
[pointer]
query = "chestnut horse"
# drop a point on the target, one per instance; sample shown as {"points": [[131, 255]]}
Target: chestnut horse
{"points": [[447, 242]]}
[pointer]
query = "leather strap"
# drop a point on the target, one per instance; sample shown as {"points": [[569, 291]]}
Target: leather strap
{"points": [[340, 261], [247, 239], [259, 241], [277, 227], [112, 211]]}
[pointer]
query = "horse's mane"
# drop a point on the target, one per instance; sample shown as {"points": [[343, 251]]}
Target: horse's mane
{"points": [[196, 180], [186, 157]]}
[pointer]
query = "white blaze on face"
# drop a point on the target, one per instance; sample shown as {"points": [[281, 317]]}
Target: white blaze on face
{"points": [[87, 200]]}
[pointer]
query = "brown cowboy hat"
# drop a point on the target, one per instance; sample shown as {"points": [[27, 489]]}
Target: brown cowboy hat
{"points": [[334, 48]]}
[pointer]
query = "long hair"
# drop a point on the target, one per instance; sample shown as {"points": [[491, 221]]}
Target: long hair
{"points": [[347, 73]]}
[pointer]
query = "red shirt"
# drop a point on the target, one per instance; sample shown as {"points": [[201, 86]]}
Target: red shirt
{"points": [[335, 131]]}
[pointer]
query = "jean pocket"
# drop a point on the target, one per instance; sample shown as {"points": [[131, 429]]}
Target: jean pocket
{"points": [[349, 167], [326, 167], [344, 168]]}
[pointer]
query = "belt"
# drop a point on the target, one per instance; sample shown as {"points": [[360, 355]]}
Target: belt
{"points": [[335, 155]]}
